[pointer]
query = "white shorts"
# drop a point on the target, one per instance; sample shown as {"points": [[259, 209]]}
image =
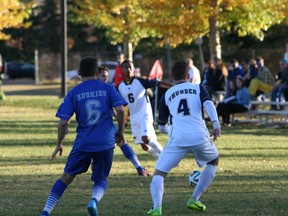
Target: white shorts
{"points": [[173, 154], [143, 128]]}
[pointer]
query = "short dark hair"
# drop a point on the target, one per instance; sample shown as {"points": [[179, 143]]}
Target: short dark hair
{"points": [[103, 68], [126, 61], [180, 70], [88, 66]]}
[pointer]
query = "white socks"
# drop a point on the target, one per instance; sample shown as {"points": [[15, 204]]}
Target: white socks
{"points": [[156, 146], [157, 190], [152, 152], [205, 180]]}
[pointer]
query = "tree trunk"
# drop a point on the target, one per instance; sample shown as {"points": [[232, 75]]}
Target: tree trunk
{"points": [[214, 38], [128, 48]]}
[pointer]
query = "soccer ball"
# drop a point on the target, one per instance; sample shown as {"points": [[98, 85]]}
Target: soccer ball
{"points": [[194, 177]]}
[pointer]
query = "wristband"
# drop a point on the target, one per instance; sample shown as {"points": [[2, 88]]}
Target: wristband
{"points": [[216, 124]]}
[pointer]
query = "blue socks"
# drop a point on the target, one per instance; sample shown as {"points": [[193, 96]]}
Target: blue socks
{"points": [[55, 194], [130, 155]]}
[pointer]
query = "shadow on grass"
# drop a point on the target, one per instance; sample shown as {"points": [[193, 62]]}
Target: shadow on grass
{"points": [[130, 195]]}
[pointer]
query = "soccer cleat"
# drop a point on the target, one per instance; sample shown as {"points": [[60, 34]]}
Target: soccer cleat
{"points": [[143, 172], [191, 204], [157, 211], [92, 208], [44, 213]]}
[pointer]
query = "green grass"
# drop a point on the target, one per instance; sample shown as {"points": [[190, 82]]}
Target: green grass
{"points": [[252, 177]]}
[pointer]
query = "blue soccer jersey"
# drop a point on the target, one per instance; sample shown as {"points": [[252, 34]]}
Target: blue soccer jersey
{"points": [[92, 102]]}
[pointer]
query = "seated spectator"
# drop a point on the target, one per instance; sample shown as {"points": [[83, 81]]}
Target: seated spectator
{"points": [[264, 80], [286, 51], [237, 104], [281, 85], [235, 70]]}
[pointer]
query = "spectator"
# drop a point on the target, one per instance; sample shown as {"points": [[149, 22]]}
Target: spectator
{"points": [[194, 74], [234, 70], [239, 103], [221, 74], [252, 72], [119, 75], [286, 51], [264, 80], [281, 85], [92, 101], [205, 74]]}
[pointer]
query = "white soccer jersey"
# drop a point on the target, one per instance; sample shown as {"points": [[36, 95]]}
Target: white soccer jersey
{"points": [[183, 108], [138, 101], [194, 74]]}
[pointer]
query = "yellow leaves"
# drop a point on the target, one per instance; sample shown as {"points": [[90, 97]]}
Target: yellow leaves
{"points": [[13, 14], [180, 21]]}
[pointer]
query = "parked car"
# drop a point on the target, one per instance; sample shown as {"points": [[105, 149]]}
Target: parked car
{"points": [[73, 74], [16, 69]]}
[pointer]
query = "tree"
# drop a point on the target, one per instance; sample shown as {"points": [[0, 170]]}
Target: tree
{"points": [[179, 21], [123, 21], [13, 15]]}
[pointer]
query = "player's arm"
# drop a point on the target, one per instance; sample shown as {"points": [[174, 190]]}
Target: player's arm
{"points": [[120, 116], [211, 111], [163, 116], [62, 129], [147, 83], [164, 84]]}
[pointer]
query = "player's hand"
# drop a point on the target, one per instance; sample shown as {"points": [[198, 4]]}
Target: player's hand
{"points": [[57, 149], [215, 133], [119, 137]]}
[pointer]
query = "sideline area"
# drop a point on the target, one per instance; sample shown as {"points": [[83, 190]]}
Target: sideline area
{"points": [[27, 87]]}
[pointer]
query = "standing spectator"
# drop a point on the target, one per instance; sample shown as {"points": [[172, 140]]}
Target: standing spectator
{"points": [[103, 74], [221, 74], [217, 75], [209, 78], [119, 74], [264, 80], [204, 79], [134, 90], [281, 85], [92, 101], [194, 74], [241, 103], [187, 134]]}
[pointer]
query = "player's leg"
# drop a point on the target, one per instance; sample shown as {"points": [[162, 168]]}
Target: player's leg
{"points": [[132, 157], [149, 137], [78, 162], [168, 159], [56, 193], [206, 154], [136, 131], [102, 163]]}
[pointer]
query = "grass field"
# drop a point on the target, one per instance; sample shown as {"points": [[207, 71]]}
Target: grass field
{"points": [[252, 177]]}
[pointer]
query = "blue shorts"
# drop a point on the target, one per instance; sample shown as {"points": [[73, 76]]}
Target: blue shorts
{"points": [[78, 162]]}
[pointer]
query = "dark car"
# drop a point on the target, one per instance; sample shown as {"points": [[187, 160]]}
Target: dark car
{"points": [[17, 69]]}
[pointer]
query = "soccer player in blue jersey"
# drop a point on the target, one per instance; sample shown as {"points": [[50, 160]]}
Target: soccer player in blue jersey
{"points": [[182, 107], [134, 90], [92, 102], [103, 74]]}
